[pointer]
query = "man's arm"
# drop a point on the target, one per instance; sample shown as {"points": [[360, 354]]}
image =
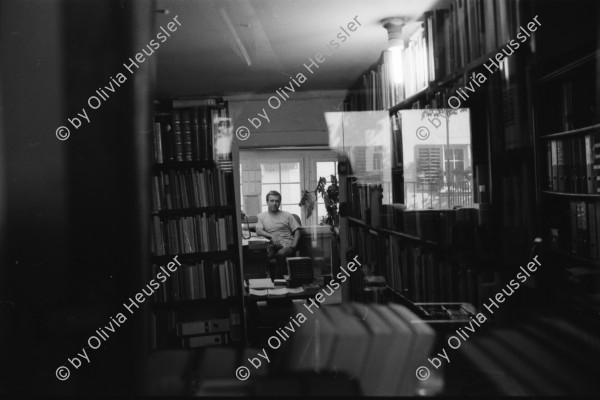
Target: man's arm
{"points": [[296, 239], [261, 232]]}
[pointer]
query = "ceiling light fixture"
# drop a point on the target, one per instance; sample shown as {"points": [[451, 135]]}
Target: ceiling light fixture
{"points": [[394, 26]]}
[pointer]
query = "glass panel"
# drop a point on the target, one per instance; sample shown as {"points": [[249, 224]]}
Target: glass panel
{"points": [[365, 138], [290, 193], [290, 172], [292, 208], [436, 147], [321, 211], [241, 187], [326, 169], [269, 172]]}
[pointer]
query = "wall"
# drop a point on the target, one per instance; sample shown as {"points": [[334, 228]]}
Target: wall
{"points": [[298, 121]]}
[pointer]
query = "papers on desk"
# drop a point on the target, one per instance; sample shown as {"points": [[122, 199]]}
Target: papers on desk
{"points": [[280, 291], [277, 292], [258, 292], [262, 283]]}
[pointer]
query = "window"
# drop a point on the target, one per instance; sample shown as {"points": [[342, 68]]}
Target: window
{"points": [[429, 167], [324, 169], [288, 172], [283, 177]]}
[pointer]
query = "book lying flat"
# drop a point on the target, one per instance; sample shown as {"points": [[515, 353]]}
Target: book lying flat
{"points": [[280, 291], [262, 283], [277, 292], [258, 292]]}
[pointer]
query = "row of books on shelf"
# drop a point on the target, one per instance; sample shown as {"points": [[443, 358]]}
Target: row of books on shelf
{"points": [[192, 234], [575, 229], [182, 328], [573, 164], [384, 87], [470, 29], [191, 187], [447, 40], [570, 102], [188, 134], [201, 280], [365, 201], [402, 73], [421, 275], [454, 227], [413, 270]]}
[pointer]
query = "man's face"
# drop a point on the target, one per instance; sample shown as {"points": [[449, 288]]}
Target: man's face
{"points": [[273, 203]]}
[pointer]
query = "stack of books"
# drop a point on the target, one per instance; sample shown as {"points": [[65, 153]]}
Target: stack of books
{"points": [[300, 270], [379, 345]]}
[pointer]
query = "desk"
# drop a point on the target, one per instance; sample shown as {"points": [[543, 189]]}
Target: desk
{"points": [[309, 290], [253, 236], [267, 313]]}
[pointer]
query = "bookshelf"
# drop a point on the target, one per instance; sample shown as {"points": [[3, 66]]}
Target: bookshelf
{"points": [[193, 218], [568, 154], [457, 251]]}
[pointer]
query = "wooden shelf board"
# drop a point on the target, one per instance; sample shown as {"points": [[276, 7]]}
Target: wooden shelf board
{"points": [[572, 132], [212, 255], [406, 236], [183, 164], [588, 195], [408, 100], [357, 221], [193, 211], [393, 233], [570, 66], [575, 257], [194, 302]]}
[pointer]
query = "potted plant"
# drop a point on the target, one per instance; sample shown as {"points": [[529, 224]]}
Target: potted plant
{"points": [[330, 195]]}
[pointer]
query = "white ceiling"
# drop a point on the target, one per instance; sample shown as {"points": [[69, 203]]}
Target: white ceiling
{"points": [[278, 36]]}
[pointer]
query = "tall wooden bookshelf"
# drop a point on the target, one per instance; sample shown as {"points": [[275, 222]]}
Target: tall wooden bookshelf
{"points": [[193, 218], [568, 154], [455, 255]]}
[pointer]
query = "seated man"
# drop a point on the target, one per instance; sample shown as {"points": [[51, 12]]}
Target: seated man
{"points": [[281, 228]]}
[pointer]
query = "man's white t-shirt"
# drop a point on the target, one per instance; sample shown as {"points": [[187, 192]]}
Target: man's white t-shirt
{"points": [[280, 225]]}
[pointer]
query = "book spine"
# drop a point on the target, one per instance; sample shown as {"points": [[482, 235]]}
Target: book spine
{"points": [[196, 137], [592, 230], [589, 165], [177, 138], [158, 151], [186, 135]]}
